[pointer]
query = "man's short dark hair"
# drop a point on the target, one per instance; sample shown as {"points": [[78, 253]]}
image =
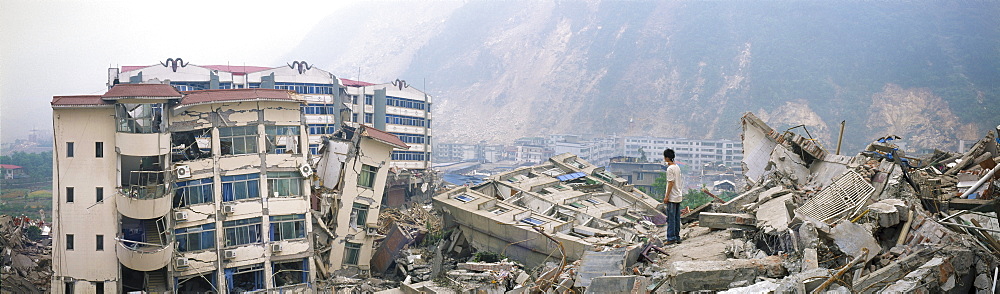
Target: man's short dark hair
{"points": [[669, 153]]}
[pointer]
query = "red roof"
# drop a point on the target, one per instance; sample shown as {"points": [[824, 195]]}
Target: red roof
{"points": [[9, 166], [81, 100], [353, 83], [236, 69], [383, 137], [209, 96], [133, 67], [142, 91]]}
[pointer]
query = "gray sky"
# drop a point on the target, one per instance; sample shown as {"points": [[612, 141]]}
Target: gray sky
{"points": [[65, 47]]}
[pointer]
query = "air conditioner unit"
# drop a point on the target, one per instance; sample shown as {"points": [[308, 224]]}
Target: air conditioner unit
{"points": [[372, 231], [277, 247], [229, 254], [181, 262], [305, 170], [180, 216], [183, 171], [228, 209]]}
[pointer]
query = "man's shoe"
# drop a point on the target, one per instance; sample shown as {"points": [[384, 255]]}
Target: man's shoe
{"points": [[671, 242]]}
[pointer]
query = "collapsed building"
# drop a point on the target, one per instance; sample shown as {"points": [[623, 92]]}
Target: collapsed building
{"points": [[808, 220], [160, 191]]}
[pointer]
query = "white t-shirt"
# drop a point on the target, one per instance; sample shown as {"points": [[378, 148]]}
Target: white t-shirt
{"points": [[674, 175]]}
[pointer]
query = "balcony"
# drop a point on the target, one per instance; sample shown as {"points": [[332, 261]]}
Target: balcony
{"points": [[143, 202], [143, 244]]}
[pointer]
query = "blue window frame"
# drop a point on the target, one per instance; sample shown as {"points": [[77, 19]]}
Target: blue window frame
{"points": [[193, 192], [465, 198], [369, 118], [369, 99], [409, 155], [195, 238], [242, 232], [411, 138], [314, 149], [533, 221], [305, 88], [245, 278], [286, 227], [240, 187], [405, 120], [322, 129], [290, 272], [313, 108], [407, 103]]}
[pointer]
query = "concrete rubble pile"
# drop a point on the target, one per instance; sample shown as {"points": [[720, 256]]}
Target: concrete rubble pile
{"points": [[880, 221], [25, 265], [808, 221]]}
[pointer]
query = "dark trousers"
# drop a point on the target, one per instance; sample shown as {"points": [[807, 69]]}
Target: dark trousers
{"points": [[673, 212]]}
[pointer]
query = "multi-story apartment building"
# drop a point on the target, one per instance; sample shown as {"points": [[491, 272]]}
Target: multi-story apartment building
{"points": [[694, 153], [398, 108], [157, 190]]}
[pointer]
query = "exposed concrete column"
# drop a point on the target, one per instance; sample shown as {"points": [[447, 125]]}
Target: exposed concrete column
{"points": [[379, 105]]}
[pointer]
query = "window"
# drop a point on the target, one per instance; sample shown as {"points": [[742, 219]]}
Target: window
{"points": [[352, 252], [69, 194], [409, 155], [369, 118], [69, 241], [193, 192], [368, 99], [290, 272], [354, 117], [465, 198], [99, 287], [284, 184], [100, 242], [99, 149], [321, 129], [69, 149], [238, 140], [196, 238], [282, 139], [407, 103], [593, 200], [367, 176], [359, 213], [532, 221], [286, 227], [244, 231], [246, 278], [318, 109], [139, 118], [69, 288], [499, 210], [99, 194], [405, 120], [411, 138], [314, 149], [577, 205], [240, 187]]}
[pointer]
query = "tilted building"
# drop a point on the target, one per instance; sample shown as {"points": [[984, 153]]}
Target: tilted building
{"points": [[157, 190], [580, 205]]}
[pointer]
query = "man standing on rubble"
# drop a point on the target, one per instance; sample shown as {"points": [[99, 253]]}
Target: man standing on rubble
{"points": [[672, 199]]}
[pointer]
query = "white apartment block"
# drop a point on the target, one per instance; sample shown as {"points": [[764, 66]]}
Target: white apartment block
{"points": [[397, 108], [695, 153], [162, 191]]}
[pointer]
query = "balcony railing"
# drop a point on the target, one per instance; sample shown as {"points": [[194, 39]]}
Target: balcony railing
{"points": [[142, 256], [143, 202]]}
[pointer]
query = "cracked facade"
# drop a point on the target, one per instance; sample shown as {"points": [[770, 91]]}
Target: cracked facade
{"points": [[164, 191], [580, 205]]}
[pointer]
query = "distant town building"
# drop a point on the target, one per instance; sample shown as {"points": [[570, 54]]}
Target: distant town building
{"points": [[694, 153]]}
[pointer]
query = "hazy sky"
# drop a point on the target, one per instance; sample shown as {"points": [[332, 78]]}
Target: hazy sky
{"points": [[65, 47]]}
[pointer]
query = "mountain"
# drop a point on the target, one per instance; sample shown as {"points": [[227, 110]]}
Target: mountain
{"points": [[928, 71]]}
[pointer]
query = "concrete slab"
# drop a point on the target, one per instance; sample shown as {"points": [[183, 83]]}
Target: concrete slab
{"points": [[721, 275], [727, 220], [772, 215], [618, 284], [851, 238], [596, 264]]}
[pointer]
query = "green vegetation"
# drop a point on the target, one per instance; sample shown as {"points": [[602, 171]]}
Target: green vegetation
{"points": [[692, 198], [488, 257], [38, 166], [25, 201]]}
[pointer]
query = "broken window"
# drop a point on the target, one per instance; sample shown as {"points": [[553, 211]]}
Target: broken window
{"points": [[286, 227], [191, 144], [196, 284], [246, 278], [139, 118], [244, 231], [195, 238], [193, 192], [290, 272], [238, 140], [282, 139], [367, 176], [142, 177], [352, 252], [284, 184], [359, 213], [314, 149], [240, 187], [533, 221]]}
